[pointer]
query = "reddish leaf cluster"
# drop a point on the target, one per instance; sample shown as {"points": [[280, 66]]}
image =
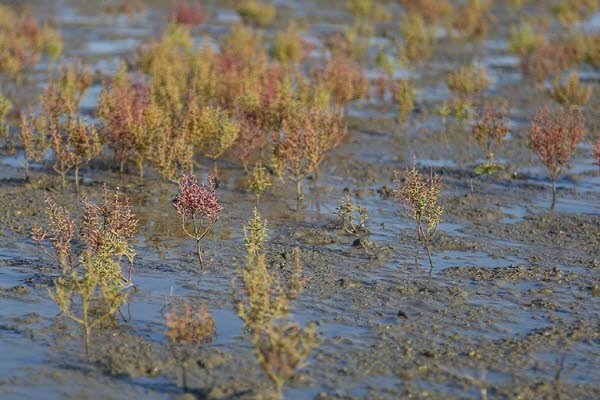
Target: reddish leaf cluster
{"points": [[197, 200], [186, 326], [490, 128], [188, 14], [61, 232]]}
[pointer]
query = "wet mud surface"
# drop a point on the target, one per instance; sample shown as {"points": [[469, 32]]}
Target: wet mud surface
{"points": [[511, 310]]}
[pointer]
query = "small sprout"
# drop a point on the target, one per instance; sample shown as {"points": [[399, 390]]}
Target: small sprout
{"points": [[297, 282], [282, 348], [571, 93], [419, 197], [198, 206], [257, 13], [259, 181], [554, 134], [352, 216], [489, 129], [445, 110], [255, 234], [188, 327]]}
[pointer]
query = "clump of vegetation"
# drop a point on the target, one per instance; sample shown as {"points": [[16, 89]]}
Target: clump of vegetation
{"points": [[472, 18], [546, 60], [256, 12], [554, 134], [259, 181], [23, 41], [33, 139], [92, 274], [344, 80], [62, 97], [418, 196], [289, 46], [468, 81], [418, 39], [568, 12], [523, 40], [306, 139], [198, 206], [214, 132], [187, 327], [405, 93], [282, 348], [433, 12], [5, 137], [131, 121], [489, 129], [188, 14], [571, 93], [124, 7]]}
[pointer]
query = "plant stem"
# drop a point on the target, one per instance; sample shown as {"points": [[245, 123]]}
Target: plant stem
{"points": [[429, 256], [553, 194]]}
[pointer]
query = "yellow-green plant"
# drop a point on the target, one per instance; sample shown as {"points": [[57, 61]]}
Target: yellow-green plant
{"points": [[5, 138], [282, 348], [418, 39], [568, 12], [94, 273], [259, 181], [214, 133], [257, 12], [468, 81], [297, 281], [523, 39], [288, 46], [63, 95], [255, 233], [33, 139], [489, 129], [406, 94], [571, 93]]}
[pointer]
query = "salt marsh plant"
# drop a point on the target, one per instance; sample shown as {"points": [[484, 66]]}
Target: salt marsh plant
{"points": [[571, 93], [62, 97], [259, 181], [23, 41], [256, 12], [188, 14], [490, 127], [198, 207], [418, 39], [289, 46], [471, 19], [553, 135], [297, 281], [344, 80], [568, 12], [418, 195], [282, 348], [91, 272], [306, 139], [5, 138], [255, 234], [131, 121], [523, 40], [468, 81], [546, 60], [33, 138], [405, 93], [188, 328], [434, 12], [214, 132]]}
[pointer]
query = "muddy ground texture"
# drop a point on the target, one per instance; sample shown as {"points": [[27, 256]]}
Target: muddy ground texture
{"points": [[511, 310]]}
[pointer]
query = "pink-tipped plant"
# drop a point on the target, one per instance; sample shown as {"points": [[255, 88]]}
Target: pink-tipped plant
{"points": [[554, 135], [188, 14], [198, 207], [418, 196]]}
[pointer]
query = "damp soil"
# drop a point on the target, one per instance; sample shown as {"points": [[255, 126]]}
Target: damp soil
{"points": [[510, 311]]}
